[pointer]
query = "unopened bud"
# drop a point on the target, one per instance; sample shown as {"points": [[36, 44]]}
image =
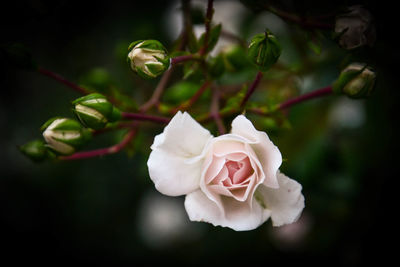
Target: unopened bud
{"points": [[264, 50], [35, 150], [95, 111], [64, 136], [148, 58], [356, 81], [355, 28]]}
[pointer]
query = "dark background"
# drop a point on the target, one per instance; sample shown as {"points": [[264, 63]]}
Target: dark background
{"points": [[86, 212]]}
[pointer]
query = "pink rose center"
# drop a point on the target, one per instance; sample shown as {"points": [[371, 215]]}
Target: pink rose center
{"points": [[234, 176]]}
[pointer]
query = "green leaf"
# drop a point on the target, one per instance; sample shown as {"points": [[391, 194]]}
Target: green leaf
{"points": [[212, 38]]}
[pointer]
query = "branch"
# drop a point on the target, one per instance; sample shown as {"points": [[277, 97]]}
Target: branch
{"points": [[314, 94], [184, 58], [207, 25], [193, 99], [103, 151], [252, 88], [145, 117], [62, 80], [214, 111]]}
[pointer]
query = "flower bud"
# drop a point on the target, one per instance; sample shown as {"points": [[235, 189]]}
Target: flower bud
{"points": [[95, 111], [148, 58], [264, 50], [35, 150], [355, 28], [64, 136], [356, 81]]}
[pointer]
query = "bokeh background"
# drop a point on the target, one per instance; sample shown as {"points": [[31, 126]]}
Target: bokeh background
{"points": [[107, 211]]}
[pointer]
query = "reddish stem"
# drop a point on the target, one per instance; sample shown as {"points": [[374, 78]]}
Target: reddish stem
{"points": [[193, 99], [207, 25], [62, 80], [181, 59], [103, 151], [214, 111], [251, 89], [145, 117], [314, 94]]}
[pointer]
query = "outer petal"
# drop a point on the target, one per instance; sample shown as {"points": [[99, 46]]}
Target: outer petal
{"points": [[286, 203], [239, 216], [269, 155], [175, 162]]}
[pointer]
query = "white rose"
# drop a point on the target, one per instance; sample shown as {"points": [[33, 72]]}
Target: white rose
{"points": [[232, 180]]}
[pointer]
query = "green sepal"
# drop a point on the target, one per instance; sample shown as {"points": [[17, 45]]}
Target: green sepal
{"points": [[116, 115], [143, 75], [212, 38], [35, 150], [90, 121], [68, 125], [133, 44], [76, 143], [264, 50], [48, 122], [155, 69], [344, 78], [88, 97], [153, 45]]}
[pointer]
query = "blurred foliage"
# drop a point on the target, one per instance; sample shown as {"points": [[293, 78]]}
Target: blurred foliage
{"points": [[91, 211]]}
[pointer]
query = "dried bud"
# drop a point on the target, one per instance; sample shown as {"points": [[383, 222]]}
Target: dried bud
{"points": [[35, 150], [148, 58], [264, 50], [355, 28], [356, 81], [64, 136], [95, 111]]}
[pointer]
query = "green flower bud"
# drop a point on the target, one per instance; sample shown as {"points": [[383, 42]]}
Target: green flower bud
{"points": [[264, 50], [35, 150], [95, 111], [148, 58], [64, 136], [356, 81]]}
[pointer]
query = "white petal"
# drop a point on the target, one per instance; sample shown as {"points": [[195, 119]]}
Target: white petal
{"points": [[286, 203], [238, 216], [175, 162], [268, 154]]}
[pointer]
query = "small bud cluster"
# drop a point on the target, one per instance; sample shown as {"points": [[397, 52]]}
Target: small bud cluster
{"points": [[64, 136]]}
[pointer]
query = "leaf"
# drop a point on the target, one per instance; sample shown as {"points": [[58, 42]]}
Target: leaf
{"points": [[212, 38]]}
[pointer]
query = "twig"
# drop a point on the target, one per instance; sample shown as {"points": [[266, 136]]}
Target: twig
{"points": [[193, 99], [207, 25], [251, 89], [314, 94], [103, 151], [62, 80], [145, 117], [181, 59], [214, 111]]}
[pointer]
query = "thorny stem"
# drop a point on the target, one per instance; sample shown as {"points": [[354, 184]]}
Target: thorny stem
{"points": [[103, 151], [207, 24], [251, 89], [145, 117], [214, 111], [193, 99], [62, 80]]}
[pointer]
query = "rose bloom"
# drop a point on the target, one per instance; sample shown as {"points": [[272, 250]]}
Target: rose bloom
{"points": [[232, 180]]}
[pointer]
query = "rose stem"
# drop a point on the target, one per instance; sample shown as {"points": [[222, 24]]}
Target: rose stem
{"points": [[103, 151], [158, 91], [181, 59], [207, 24], [314, 94], [251, 89], [62, 80], [187, 104], [214, 111], [145, 117]]}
